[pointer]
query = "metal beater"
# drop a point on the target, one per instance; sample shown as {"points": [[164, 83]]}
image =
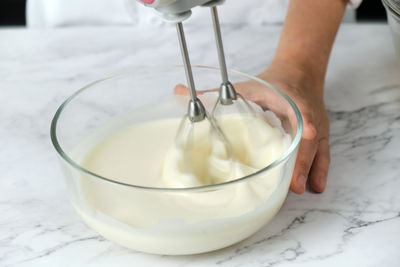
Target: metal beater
{"points": [[177, 11], [227, 92]]}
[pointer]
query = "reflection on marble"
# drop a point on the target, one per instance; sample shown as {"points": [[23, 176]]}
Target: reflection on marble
{"points": [[356, 222]]}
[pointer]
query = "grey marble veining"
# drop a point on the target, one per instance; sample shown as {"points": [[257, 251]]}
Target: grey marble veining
{"points": [[356, 222]]}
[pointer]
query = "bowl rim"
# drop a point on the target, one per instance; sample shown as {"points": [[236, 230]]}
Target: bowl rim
{"points": [[77, 166]]}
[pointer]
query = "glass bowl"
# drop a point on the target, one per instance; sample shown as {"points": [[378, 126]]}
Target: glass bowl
{"points": [[393, 15], [169, 221]]}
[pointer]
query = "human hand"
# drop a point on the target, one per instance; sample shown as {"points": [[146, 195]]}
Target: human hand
{"points": [[313, 158]]}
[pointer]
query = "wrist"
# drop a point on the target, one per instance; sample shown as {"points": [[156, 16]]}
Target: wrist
{"points": [[307, 65], [292, 76], [300, 69]]}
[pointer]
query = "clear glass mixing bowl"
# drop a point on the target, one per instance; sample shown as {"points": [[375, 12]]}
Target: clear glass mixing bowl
{"points": [[171, 221]]}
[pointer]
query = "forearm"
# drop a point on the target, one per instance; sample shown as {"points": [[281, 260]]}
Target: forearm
{"points": [[308, 34]]}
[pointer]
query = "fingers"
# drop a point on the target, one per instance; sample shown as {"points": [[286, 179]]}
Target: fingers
{"points": [[319, 172], [305, 157], [249, 90], [181, 89]]}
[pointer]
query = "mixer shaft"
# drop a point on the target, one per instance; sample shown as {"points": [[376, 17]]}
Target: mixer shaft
{"points": [[227, 91], [196, 110]]}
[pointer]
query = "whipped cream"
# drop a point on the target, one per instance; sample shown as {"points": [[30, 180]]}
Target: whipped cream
{"points": [[184, 222]]}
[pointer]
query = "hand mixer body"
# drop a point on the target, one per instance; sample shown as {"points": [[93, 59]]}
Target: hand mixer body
{"points": [[174, 10]]}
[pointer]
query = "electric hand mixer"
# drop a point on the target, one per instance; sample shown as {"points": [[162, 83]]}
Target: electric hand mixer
{"points": [[177, 11]]}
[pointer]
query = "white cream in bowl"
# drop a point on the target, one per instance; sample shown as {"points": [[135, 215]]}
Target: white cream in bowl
{"points": [[183, 221]]}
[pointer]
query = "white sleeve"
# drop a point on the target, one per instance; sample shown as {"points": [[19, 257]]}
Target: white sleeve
{"points": [[55, 13]]}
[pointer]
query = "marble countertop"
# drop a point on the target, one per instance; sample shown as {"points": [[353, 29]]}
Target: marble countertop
{"points": [[356, 222]]}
